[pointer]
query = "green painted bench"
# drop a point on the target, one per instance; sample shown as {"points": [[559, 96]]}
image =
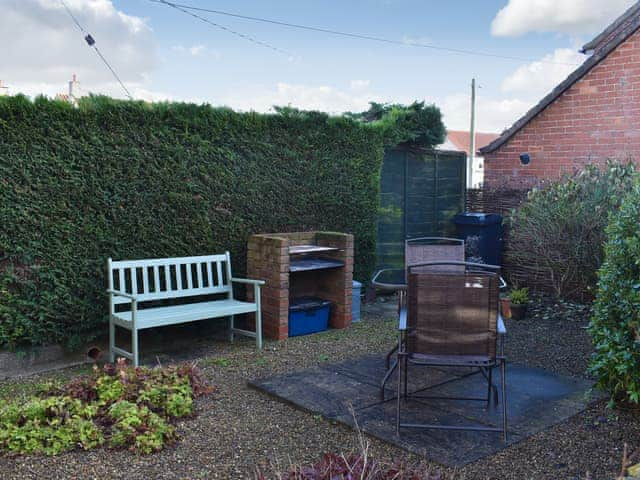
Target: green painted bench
{"points": [[134, 283]]}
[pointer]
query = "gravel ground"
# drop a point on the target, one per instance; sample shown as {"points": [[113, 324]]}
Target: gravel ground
{"points": [[239, 428]]}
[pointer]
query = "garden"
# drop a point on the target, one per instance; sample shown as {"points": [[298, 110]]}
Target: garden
{"points": [[132, 180]]}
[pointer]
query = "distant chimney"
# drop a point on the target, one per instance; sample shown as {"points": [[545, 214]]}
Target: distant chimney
{"points": [[73, 86], [74, 90]]}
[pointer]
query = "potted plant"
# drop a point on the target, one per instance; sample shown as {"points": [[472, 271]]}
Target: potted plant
{"points": [[519, 298]]}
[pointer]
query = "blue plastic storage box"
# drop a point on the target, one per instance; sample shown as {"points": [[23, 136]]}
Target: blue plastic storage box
{"points": [[308, 315]]}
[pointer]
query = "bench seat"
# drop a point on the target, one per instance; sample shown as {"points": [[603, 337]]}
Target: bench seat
{"points": [[163, 316]]}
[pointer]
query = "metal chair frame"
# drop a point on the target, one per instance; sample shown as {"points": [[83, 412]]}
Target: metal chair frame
{"points": [[405, 358]]}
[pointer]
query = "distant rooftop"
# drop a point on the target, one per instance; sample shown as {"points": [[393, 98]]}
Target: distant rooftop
{"points": [[459, 140]]}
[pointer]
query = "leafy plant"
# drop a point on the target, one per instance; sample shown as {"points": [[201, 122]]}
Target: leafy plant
{"points": [[615, 325], [558, 232], [120, 407], [519, 296]]}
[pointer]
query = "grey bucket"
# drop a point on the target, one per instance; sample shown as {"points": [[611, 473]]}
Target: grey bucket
{"points": [[355, 305]]}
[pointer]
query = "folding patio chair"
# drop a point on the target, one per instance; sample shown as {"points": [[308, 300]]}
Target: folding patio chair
{"points": [[429, 249], [451, 321]]}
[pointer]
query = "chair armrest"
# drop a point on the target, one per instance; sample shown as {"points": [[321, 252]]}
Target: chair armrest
{"points": [[402, 318], [376, 275], [122, 294], [248, 281], [502, 330]]}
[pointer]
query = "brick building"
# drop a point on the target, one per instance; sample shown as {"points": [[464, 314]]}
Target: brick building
{"points": [[594, 114]]}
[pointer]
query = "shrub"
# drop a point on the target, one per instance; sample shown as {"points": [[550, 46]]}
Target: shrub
{"points": [[128, 179], [615, 325], [558, 231], [120, 407]]}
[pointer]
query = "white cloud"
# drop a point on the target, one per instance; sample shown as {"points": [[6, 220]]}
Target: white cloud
{"points": [[43, 47], [411, 40], [194, 50], [538, 78], [359, 85], [306, 97], [492, 115], [565, 16]]}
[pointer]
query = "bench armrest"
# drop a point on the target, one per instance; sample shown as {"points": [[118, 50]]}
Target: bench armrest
{"points": [[122, 294], [502, 330], [248, 280], [402, 318]]}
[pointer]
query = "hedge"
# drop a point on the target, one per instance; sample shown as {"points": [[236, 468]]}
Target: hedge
{"points": [[134, 180], [615, 325]]}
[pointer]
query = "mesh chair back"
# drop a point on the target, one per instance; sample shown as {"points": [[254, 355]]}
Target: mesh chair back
{"points": [[452, 314], [421, 250]]}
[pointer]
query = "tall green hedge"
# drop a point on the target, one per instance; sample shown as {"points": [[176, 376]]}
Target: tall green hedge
{"points": [[615, 325], [133, 180]]}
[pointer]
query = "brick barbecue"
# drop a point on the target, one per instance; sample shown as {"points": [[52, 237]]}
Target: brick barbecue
{"points": [[318, 264]]}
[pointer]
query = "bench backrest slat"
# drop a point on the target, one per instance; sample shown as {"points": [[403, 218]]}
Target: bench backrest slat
{"points": [[156, 277], [219, 272], [134, 281], [183, 277], [199, 267]]}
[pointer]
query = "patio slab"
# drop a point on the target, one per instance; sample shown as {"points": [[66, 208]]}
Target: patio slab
{"points": [[348, 392]]}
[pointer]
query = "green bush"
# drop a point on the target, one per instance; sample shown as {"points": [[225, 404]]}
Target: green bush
{"points": [[558, 232], [130, 180], [615, 325]]}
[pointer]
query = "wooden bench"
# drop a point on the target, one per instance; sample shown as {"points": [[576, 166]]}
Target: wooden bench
{"points": [[137, 282]]}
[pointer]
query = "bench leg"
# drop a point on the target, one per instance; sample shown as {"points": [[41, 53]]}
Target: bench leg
{"points": [[134, 346], [112, 340], [232, 325], [259, 328]]}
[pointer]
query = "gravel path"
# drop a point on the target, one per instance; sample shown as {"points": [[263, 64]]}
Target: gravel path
{"points": [[239, 428]]}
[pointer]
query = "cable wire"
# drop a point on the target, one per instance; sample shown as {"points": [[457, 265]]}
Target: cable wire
{"points": [[92, 43], [360, 36], [185, 10]]}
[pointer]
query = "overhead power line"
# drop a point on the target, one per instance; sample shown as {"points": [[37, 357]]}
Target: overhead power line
{"points": [[359, 36], [185, 9], [92, 43]]}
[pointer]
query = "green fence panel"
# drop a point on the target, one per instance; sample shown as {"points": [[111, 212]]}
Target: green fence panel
{"points": [[420, 192]]}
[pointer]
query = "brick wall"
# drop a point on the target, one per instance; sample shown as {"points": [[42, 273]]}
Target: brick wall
{"points": [[597, 118], [268, 259]]}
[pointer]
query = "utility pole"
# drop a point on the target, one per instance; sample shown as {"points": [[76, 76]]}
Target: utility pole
{"points": [[472, 134]]}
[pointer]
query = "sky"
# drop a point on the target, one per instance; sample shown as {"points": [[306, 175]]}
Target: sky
{"points": [[160, 53]]}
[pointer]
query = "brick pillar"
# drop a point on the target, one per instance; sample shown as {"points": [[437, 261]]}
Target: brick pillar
{"points": [[336, 285], [268, 260]]}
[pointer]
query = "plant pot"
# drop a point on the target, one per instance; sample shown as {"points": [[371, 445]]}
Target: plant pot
{"points": [[518, 312], [505, 307]]}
